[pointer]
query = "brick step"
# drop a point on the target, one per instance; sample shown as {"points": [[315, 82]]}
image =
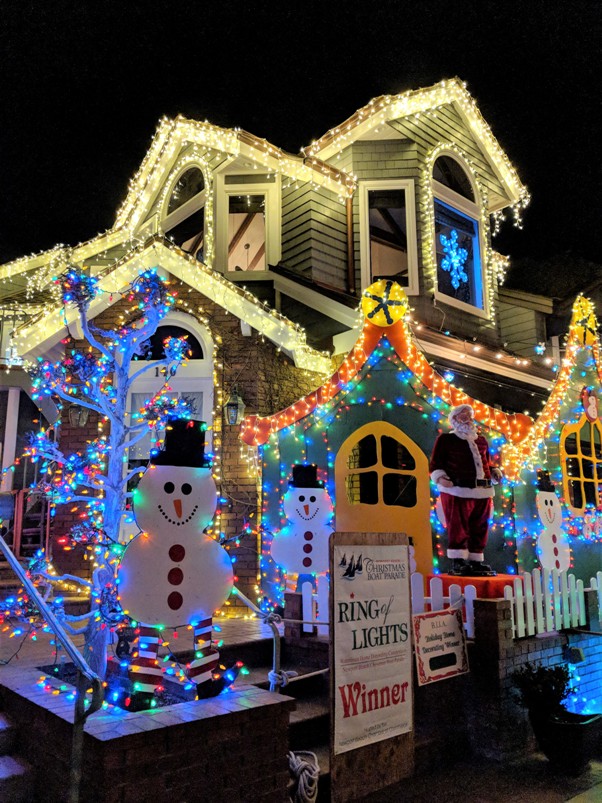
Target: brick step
{"points": [[16, 779]]}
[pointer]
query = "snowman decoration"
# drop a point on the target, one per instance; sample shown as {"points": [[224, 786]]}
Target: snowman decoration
{"points": [[301, 548], [172, 574], [552, 543]]}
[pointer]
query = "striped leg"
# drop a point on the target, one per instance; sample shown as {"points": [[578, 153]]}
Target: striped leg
{"points": [[206, 657], [144, 671]]}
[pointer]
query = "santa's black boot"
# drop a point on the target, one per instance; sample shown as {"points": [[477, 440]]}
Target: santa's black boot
{"points": [[477, 568], [458, 566]]}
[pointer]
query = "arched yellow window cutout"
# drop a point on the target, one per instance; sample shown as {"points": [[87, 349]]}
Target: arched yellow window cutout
{"points": [[581, 455], [382, 485]]}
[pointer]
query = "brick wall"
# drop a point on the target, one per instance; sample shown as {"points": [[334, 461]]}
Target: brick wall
{"points": [[498, 727], [266, 380], [231, 748]]}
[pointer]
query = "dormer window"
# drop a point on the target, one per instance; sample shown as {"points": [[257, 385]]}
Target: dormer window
{"points": [[184, 223], [388, 233], [186, 187], [460, 274]]}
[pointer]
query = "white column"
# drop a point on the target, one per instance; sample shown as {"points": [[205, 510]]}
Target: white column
{"points": [[10, 437]]}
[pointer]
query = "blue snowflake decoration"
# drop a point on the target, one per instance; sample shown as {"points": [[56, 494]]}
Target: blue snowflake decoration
{"points": [[455, 259]]}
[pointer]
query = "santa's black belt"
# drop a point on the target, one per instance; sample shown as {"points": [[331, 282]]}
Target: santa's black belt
{"points": [[483, 483], [474, 484]]}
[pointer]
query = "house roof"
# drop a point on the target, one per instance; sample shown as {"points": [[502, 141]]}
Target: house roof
{"points": [[583, 334], [256, 430], [50, 325], [172, 135], [365, 121]]}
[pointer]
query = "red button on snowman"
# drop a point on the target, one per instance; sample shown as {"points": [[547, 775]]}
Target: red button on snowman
{"points": [[172, 574], [301, 548]]}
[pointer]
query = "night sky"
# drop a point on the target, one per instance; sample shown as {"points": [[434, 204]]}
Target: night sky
{"points": [[83, 86]]}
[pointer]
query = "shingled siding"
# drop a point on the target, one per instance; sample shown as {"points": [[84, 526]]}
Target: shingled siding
{"points": [[445, 125], [267, 380], [314, 234], [521, 328]]}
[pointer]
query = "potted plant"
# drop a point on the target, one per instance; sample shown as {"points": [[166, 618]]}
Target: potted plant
{"points": [[566, 739]]}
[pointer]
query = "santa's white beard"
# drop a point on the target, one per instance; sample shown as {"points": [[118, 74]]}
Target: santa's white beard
{"points": [[467, 430]]}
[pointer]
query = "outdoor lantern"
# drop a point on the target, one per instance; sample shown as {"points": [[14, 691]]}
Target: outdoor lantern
{"points": [[78, 416], [235, 408]]}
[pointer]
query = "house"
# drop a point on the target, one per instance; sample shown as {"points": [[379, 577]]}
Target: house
{"points": [[270, 253]]}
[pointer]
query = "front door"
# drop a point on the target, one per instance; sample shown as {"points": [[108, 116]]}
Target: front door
{"points": [[382, 485]]}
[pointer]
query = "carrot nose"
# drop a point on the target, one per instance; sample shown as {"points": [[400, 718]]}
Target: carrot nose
{"points": [[306, 509], [177, 503]]}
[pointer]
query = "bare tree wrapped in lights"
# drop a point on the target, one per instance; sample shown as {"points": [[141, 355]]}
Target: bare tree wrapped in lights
{"points": [[100, 379]]}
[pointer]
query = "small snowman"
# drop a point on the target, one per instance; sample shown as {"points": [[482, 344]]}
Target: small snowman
{"points": [[172, 574], [301, 547], [552, 543]]}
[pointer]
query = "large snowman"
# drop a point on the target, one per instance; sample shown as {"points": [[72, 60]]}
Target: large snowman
{"points": [[301, 547], [172, 574], [552, 543]]}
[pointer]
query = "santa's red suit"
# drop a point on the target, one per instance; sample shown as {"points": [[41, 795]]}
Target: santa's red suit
{"points": [[461, 467]]}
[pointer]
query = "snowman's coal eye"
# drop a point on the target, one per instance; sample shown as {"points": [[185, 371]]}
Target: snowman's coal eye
{"points": [[169, 487], [312, 498], [186, 488], [302, 499]]}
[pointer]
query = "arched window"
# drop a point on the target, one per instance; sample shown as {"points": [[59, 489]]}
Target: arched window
{"points": [[457, 237], [184, 223], [449, 173], [153, 349], [186, 187], [382, 485]]}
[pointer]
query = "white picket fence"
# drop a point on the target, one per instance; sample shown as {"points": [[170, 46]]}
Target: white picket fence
{"points": [[542, 602], [545, 601]]}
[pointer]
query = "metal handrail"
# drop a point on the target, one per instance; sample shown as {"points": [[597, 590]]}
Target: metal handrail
{"points": [[271, 619], [85, 675]]}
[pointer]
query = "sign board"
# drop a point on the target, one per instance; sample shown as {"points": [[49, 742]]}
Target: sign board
{"points": [[372, 644], [440, 645]]}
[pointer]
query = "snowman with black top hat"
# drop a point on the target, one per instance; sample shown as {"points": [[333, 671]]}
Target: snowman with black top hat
{"points": [[553, 545], [301, 547], [172, 573]]}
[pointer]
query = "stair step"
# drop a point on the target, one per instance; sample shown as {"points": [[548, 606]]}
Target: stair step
{"points": [[16, 779], [7, 734]]}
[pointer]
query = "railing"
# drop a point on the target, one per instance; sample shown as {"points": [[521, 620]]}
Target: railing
{"points": [[546, 601], [85, 676], [596, 585], [541, 602], [436, 600]]}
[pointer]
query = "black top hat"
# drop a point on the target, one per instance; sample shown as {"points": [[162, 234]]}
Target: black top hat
{"points": [[544, 483], [184, 445], [305, 475]]}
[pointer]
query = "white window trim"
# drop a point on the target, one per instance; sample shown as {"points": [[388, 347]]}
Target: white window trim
{"points": [[273, 244], [384, 184], [448, 196], [204, 198]]}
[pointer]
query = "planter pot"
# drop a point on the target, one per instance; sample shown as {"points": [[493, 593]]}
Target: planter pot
{"points": [[567, 740]]}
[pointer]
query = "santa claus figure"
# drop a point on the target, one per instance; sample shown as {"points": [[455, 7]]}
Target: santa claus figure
{"points": [[462, 470]]}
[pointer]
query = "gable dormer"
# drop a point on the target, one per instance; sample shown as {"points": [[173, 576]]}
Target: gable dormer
{"points": [[217, 194], [430, 177]]}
